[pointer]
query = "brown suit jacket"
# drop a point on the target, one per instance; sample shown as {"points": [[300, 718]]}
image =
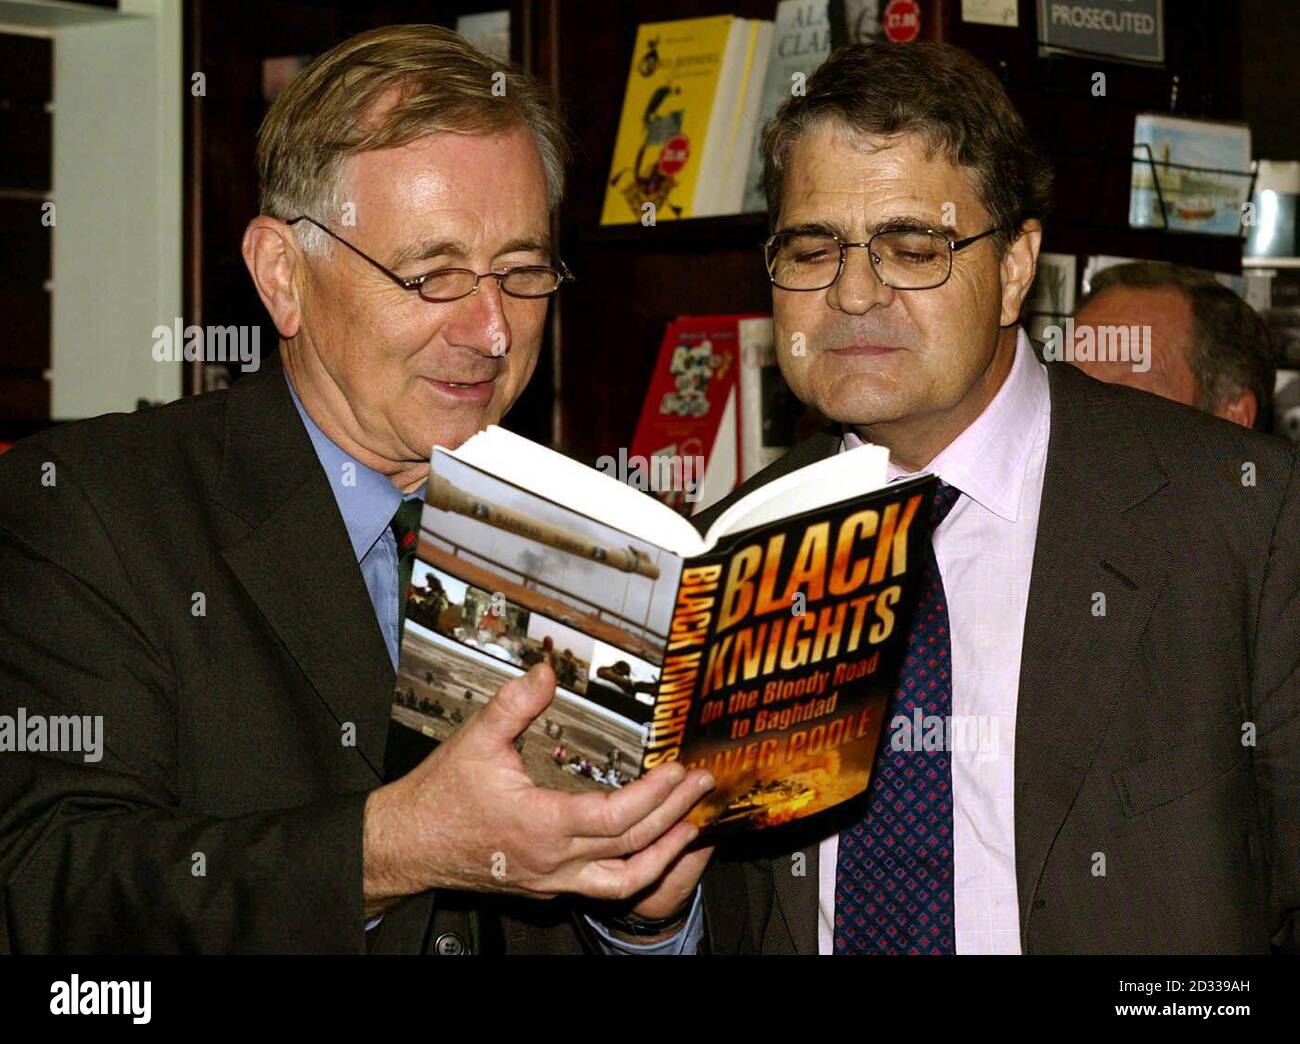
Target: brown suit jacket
{"points": [[1129, 726], [223, 715]]}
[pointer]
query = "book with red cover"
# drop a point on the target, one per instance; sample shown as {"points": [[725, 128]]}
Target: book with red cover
{"points": [[685, 450]]}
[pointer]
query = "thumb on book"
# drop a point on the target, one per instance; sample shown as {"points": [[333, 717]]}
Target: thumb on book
{"points": [[515, 706]]}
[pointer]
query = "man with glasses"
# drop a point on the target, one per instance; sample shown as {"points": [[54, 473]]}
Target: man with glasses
{"points": [[219, 581], [1094, 742]]}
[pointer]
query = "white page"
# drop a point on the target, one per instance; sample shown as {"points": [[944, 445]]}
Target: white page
{"points": [[573, 485], [589, 492], [721, 470], [842, 476]]}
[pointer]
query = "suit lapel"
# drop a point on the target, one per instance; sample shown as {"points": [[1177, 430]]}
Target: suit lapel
{"points": [[297, 563], [1074, 660]]}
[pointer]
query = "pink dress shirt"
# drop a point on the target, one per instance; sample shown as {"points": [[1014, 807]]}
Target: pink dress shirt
{"points": [[985, 551]]}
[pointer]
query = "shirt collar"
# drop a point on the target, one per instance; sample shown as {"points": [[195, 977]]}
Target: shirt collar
{"points": [[987, 461], [367, 499]]}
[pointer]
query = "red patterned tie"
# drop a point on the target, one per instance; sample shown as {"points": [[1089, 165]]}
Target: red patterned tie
{"points": [[406, 531], [894, 876]]}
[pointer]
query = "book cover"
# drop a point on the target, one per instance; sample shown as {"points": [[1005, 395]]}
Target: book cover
{"points": [[749, 94], [800, 43], [684, 450], [667, 110], [765, 651], [784, 649], [728, 98]]}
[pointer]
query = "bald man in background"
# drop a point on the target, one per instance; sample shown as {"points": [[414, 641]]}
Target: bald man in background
{"points": [[1209, 349]]}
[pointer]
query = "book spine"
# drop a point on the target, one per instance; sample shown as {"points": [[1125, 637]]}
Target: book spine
{"points": [[743, 147], [679, 680], [712, 169], [722, 202]]}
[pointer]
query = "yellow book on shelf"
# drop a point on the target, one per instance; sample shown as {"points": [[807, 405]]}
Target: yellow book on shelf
{"points": [[664, 133]]}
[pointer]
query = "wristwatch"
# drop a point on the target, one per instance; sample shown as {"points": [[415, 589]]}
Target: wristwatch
{"points": [[635, 924]]}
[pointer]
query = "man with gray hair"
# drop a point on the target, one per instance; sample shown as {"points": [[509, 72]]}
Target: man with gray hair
{"points": [[219, 578], [1208, 348]]}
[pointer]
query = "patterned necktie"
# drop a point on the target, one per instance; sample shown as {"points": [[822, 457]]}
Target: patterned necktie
{"points": [[894, 876], [406, 531]]}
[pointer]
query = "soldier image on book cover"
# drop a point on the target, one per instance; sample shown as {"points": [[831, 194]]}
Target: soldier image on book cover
{"points": [[505, 579]]}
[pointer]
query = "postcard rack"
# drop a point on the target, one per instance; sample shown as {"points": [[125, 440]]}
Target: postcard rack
{"points": [[1152, 164]]}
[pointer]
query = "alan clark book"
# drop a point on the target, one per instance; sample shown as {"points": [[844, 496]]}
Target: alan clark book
{"points": [[764, 650]]}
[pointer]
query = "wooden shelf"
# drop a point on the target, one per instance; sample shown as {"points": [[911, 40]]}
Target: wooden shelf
{"points": [[586, 394], [633, 279], [1193, 249]]}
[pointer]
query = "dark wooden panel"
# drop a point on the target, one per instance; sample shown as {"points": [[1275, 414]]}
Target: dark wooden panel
{"points": [[1271, 84], [26, 254], [26, 85], [25, 342], [24, 398], [26, 69], [25, 137]]}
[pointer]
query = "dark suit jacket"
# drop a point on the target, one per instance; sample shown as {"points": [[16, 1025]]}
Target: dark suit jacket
{"points": [[1129, 726], [188, 576]]}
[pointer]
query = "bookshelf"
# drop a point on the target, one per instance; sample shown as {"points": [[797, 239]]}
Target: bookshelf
{"points": [[605, 328]]}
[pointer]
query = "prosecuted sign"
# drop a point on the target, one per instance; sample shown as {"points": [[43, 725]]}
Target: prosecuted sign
{"points": [[1125, 30]]}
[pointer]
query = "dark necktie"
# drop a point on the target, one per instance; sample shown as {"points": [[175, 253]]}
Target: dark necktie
{"points": [[406, 531], [894, 875]]}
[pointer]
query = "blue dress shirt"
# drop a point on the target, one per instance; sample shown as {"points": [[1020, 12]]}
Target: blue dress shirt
{"points": [[367, 501]]}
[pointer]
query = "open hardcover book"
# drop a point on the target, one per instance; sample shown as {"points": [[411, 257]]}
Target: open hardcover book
{"points": [[764, 650]]}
